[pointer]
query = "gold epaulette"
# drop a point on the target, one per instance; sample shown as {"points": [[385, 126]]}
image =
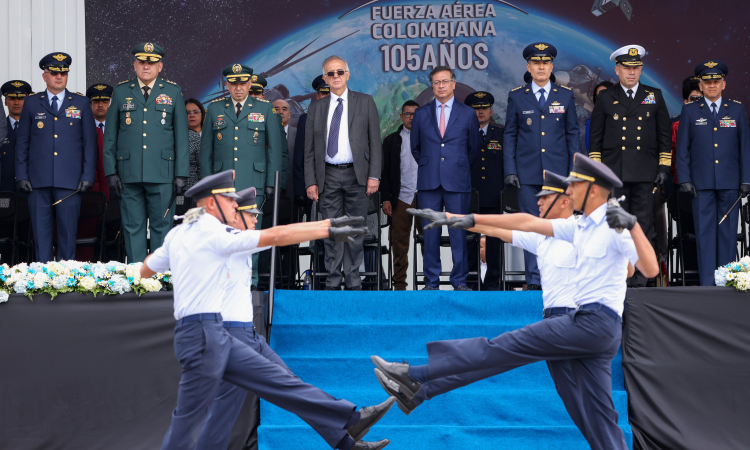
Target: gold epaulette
{"points": [[219, 99], [80, 94], [665, 158], [172, 82], [737, 101], [565, 87], [123, 82], [519, 87], [262, 99]]}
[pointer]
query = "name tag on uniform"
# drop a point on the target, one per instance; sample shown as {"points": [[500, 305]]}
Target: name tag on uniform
{"points": [[256, 117], [649, 100], [701, 122], [529, 112], [40, 117], [556, 109], [163, 99], [494, 145], [220, 123], [128, 106], [72, 113], [727, 123]]}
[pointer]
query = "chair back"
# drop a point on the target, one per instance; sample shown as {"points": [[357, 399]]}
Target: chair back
{"points": [[113, 210], [93, 205], [8, 206], [509, 200]]}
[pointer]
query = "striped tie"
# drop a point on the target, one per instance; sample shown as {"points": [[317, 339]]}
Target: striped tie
{"points": [[333, 134]]}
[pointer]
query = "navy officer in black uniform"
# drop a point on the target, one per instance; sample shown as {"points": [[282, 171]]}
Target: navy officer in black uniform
{"points": [[486, 179], [713, 164], [541, 133], [55, 157], [15, 92]]}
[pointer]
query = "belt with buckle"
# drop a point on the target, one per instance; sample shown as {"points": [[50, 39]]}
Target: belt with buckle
{"points": [[341, 166], [205, 317], [600, 307], [556, 311]]}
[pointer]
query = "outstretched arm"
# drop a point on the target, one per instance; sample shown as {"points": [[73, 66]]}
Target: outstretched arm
{"points": [[294, 233], [517, 221]]}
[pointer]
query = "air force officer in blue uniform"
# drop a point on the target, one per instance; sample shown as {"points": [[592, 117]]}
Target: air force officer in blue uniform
{"points": [[15, 92], [445, 142], [55, 156], [713, 163], [541, 133]]}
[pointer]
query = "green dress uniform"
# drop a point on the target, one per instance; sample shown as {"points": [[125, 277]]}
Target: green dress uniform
{"points": [[146, 144]]}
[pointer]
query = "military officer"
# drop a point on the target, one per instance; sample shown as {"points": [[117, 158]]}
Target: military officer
{"points": [[55, 158], [485, 180], [541, 133], [257, 87], [631, 133], [713, 163], [242, 133], [146, 153], [15, 92]]}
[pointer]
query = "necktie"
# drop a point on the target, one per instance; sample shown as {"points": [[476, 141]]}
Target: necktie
{"points": [[442, 120], [145, 92], [541, 98], [714, 109], [482, 133], [239, 108], [333, 134], [15, 126], [54, 104], [101, 126], [630, 94]]}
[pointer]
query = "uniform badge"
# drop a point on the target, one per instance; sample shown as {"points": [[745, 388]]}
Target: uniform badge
{"points": [[163, 99], [73, 113], [218, 136], [163, 122], [40, 124], [725, 123], [128, 105], [528, 121], [220, 122], [128, 121], [649, 100], [556, 108], [256, 117], [615, 116], [616, 102], [701, 122], [529, 112], [40, 116], [494, 145]]}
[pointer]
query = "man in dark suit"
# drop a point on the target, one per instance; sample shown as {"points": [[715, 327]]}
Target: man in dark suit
{"points": [[55, 157], [445, 142], [485, 180], [541, 133], [631, 133], [342, 164], [15, 92], [298, 165], [713, 164]]}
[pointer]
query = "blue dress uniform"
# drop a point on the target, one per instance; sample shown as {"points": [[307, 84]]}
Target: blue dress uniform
{"points": [[537, 138], [713, 154], [14, 89], [588, 337], [486, 178], [56, 154]]}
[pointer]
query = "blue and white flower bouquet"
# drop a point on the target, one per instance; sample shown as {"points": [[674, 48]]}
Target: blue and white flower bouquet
{"points": [[735, 274]]}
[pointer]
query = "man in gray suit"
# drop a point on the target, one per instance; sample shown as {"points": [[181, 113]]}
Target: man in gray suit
{"points": [[282, 107], [342, 165]]}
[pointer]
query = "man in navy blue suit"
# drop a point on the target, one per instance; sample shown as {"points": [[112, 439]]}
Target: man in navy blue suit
{"points": [[541, 133], [445, 142], [713, 164], [55, 157]]}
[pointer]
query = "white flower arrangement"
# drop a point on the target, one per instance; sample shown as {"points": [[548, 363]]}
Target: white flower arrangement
{"points": [[735, 274], [60, 277]]}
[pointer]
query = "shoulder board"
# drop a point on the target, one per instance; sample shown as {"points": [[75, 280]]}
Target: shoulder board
{"points": [[565, 87], [123, 82], [262, 100], [222, 99], [689, 103], [675, 117], [172, 82], [737, 101], [519, 87], [78, 93]]}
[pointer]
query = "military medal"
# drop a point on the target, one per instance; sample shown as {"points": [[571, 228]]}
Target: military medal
{"points": [[528, 121], [40, 124], [163, 117], [218, 136], [163, 122], [615, 116], [128, 121]]}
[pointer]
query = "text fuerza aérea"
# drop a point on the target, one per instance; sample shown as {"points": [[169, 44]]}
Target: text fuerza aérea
{"points": [[444, 22]]}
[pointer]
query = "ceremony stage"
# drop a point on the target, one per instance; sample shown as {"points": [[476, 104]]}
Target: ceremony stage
{"points": [[100, 373]]}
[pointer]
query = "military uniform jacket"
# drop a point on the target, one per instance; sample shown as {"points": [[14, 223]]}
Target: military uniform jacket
{"points": [[56, 150], [713, 153], [250, 144], [633, 138], [146, 141], [538, 139], [8, 160], [487, 170]]}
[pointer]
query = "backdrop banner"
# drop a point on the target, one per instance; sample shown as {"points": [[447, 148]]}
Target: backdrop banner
{"points": [[686, 359]]}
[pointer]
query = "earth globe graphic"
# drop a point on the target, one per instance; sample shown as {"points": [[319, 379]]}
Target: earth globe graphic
{"points": [[582, 62]]}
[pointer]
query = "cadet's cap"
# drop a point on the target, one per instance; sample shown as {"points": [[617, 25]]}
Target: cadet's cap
{"points": [[237, 73], [56, 62], [630, 55], [527, 77], [586, 169], [99, 92], [539, 51], [480, 99], [16, 89], [553, 184], [247, 202], [320, 85], [221, 183], [711, 70], [258, 83], [148, 51]]}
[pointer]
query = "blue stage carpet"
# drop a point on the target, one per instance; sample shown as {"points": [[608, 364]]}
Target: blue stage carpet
{"points": [[327, 338]]}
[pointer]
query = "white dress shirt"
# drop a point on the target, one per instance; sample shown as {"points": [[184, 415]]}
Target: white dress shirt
{"points": [[102, 122], [344, 155], [557, 263], [197, 255], [448, 108], [409, 169], [60, 98], [286, 130], [634, 89], [238, 300], [536, 89], [602, 258]]}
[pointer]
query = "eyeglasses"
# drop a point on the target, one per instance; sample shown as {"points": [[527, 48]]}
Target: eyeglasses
{"points": [[695, 98], [339, 72], [195, 111], [407, 115], [441, 82]]}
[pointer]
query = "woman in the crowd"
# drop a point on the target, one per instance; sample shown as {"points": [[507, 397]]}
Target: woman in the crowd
{"points": [[196, 115]]}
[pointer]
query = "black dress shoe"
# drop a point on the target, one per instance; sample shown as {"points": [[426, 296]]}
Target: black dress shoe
{"points": [[430, 288], [398, 372], [363, 445], [463, 287], [392, 388], [369, 416], [532, 287]]}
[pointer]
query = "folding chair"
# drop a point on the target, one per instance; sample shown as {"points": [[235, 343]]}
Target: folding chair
{"points": [[8, 220], [509, 205], [113, 221], [680, 210], [373, 245], [94, 206]]}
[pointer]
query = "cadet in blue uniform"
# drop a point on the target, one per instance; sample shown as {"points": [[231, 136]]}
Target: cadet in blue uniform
{"points": [[198, 253], [15, 92], [589, 336], [486, 179], [55, 157], [713, 164], [541, 133]]}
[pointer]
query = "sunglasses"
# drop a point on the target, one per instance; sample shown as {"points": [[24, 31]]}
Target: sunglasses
{"points": [[339, 72], [194, 112], [695, 98]]}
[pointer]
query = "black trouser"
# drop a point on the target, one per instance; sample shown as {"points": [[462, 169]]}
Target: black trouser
{"points": [[639, 201], [492, 255]]}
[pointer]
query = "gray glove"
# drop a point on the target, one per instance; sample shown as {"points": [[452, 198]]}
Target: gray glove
{"points": [[462, 223], [688, 188], [619, 218], [24, 186], [346, 220], [512, 180], [345, 233], [429, 215]]}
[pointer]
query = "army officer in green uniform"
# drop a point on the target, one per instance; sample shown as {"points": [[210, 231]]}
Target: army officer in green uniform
{"points": [[242, 133], [146, 152]]}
